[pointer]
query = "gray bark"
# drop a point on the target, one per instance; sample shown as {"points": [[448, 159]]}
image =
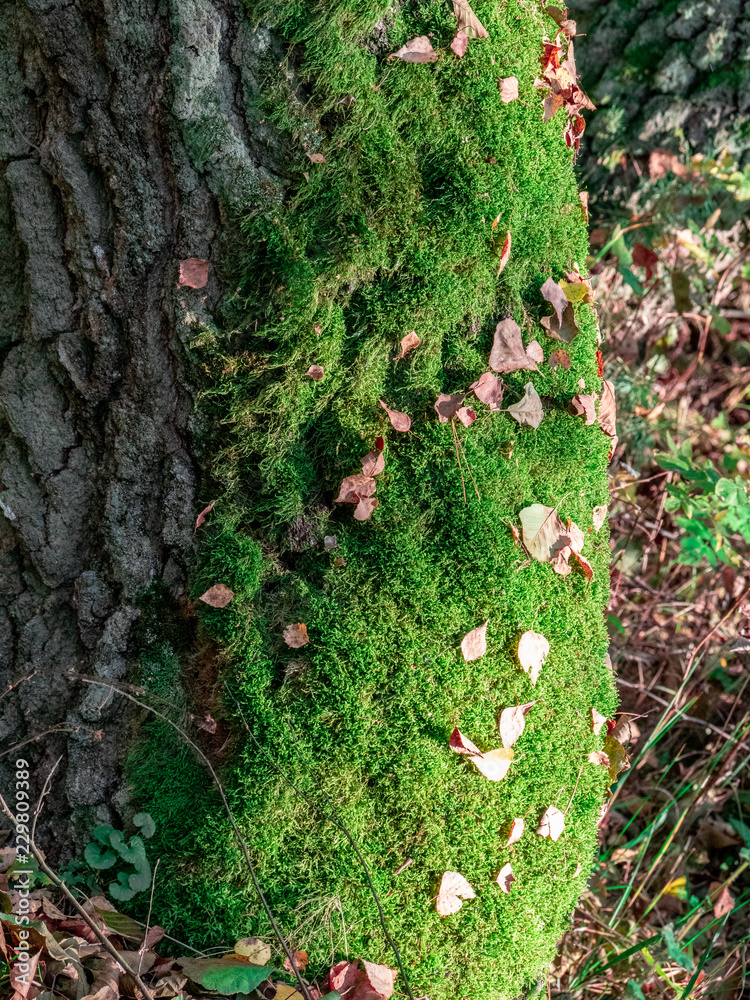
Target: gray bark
{"points": [[125, 133]]}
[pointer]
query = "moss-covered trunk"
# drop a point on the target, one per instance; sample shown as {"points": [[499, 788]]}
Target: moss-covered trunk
{"points": [[344, 201]]}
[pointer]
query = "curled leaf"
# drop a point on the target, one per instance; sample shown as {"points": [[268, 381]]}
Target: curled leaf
{"points": [[408, 343], [399, 421], [552, 823], [508, 89], [608, 410], [217, 596], [584, 405], [453, 890], [599, 516], [354, 488], [474, 643], [504, 253], [466, 415], [528, 410], [505, 878], [296, 635], [364, 508], [513, 722], [559, 358], [201, 518], [597, 721], [533, 650], [517, 828], [488, 389], [417, 50], [508, 354], [462, 744], [554, 294], [447, 405], [598, 757], [566, 329], [315, 372]]}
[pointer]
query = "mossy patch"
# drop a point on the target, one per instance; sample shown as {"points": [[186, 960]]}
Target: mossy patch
{"points": [[391, 234]]}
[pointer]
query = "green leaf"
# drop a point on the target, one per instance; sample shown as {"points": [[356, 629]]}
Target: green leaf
{"points": [[121, 924], [103, 834], [146, 824], [98, 857], [633, 991], [135, 854], [743, 830], [140, 880], [630, 279], [120, 889], [674, 951], [225, 975]]}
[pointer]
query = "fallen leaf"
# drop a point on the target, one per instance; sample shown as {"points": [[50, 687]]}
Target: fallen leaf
{"points": [[361, 980], [330, 542], [408, 343], [584, 405], [584, 196], [579, 869], [551, 105], [517, 828], [508, 88], [365, 507], [576, 288], [662, 161], [301, 959], [723, 903], [460, 43], [380, 442], [315, 372], [559, 357], [296, 635], [560, 17], [645, 257], [404, 866], [597, 721], [373, 463], [193, 272], [513, 722], [608, 410], [488, 389], [447, 405], [583, 564], [468, 20], [380, 978], [620, 730], [566, 330], [717, 834], [504, 253], [508, 354], [552, 823], [599, 516], [556, 297], [466, 415], [339, 561], [533, 650], [493, 765], [529, 409], [453, 890], [461, 744], [202, 516], [506, 878], [256, 952], [417, 50], [474, 643], [547, 539], [217, 596], [224, 975], [598, 757], [316, 157], [618, 757], [354, 488], [535, 351], [399, 421]]}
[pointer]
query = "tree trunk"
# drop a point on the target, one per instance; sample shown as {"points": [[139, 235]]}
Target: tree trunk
{"points": [[344, 201]]}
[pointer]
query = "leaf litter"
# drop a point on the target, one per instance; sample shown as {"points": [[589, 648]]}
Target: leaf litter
{"points": [[494, 764]]}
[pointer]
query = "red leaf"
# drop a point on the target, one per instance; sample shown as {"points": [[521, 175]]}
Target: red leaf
{"points": [[202, 516], [399, 421], [217, 596], [193, 272], [488, 389], [645, 257], [315, 372], [447, 405], [504, 253], [354, 488]]}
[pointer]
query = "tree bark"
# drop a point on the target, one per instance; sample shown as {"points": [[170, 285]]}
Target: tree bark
{"points": [[99, 203]]}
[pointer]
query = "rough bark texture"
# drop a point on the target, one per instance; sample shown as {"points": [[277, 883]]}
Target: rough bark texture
{"points": [[663, 75], [99, 202]]}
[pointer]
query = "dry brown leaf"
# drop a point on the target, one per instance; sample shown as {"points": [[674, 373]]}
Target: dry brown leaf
{"points": [[533, 650], [301, 959], [528, 410], [584, 405], [583, 564], [559, 357], [552, 823], [504, 253], [508, 354], [517, 828], [373, 463], [474, 643], [354, 488], [339, 561], [597, 721], [598, 757], [468, 20], [315, 372], [460, 43], [599, 516], [506, 878], [466, 415], [488, 389], [296, 635], [200, 519], [717, 834], [566, 330], [364, 509], [560, 17], [723, 903], [447, 405], [551, 104], [535, 351], [217, 596], [453, 890], [193, 272], [508, 88], [408, 343], [554, 294], [399, 421], [315, 157], [416, 50], [608, 410], [513, 722]]}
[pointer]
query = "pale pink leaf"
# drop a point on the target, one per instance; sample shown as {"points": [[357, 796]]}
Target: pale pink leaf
{"points": [[552, 823], [380, 979], [217, 596], [466, 415], [597, 721], [416, 50], [608, 410], [315, 372], [447, 404], [508, 88], [528, 410], [373, 463], [316, 157], [599, 516], [194, 272], [296, 635], [508, 354], [535, 351], [488, 389], [200, 519], [506, 878], [513, 721], [453, 890], [556, 297], [533, 650], [364, 509], [354, 488], [598, 757], [460, 43], [584, 405], [399, 421], [474, 643], [408, 343]]}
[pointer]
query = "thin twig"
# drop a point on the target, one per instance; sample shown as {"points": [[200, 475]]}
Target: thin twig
{"points": [[458, 459], [142, 949], [240, 839]]}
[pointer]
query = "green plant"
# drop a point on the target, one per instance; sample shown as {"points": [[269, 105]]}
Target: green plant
{"points": [[109, 844], [716, 509]]}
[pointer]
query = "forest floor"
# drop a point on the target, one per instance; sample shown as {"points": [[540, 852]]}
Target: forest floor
{"points": [[666, 911]]}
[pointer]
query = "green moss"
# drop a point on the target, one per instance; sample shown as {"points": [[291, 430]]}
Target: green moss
{"points": [[393, 233]]}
